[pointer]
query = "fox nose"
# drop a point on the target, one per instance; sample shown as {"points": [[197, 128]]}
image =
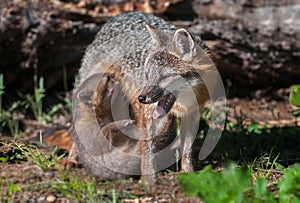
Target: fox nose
{"points": [[142, 98]]}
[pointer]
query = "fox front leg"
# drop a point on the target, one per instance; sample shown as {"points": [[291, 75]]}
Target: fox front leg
{"points": [[188, 130], [146, 146], [186, 159], [148, 165]]}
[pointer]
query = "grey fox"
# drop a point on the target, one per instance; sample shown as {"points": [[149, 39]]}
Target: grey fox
{"points": [[137, 77]]}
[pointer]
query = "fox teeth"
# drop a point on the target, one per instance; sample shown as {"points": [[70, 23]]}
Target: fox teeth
{"points": [[164, 105]]}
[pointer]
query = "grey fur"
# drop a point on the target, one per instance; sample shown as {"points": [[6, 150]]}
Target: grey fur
{"points": [[140, 58]]}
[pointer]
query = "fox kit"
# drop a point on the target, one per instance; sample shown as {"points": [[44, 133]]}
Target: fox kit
{"points": [[137, 77]]}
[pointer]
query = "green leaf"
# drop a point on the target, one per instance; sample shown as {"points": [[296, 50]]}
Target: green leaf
{"points": [[254, 128], [296, 112], [200, 184], [3, 159], [230, 183], [295, 96], [261, 193], [289, 188]]}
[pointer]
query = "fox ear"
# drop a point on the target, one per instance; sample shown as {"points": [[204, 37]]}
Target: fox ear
{"points": [[159, 38], [183, 45]]}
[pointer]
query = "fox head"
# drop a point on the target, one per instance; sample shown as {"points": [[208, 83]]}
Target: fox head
{"points": [[174, 72]]}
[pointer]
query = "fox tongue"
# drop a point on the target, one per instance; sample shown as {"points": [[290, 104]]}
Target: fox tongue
{"points": [[158, 112], [163, 106]]}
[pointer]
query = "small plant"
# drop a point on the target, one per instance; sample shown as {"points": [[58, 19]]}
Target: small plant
{"points": [[9, 118], [230, 125], [295, 99], [35, 102], [254, 127], [35, 155], [207, 114]]}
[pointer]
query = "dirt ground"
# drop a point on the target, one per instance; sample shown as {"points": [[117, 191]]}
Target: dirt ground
{"points": [[35, 184]]}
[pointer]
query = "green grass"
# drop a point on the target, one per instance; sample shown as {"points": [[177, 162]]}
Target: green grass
{"points": [[34, 154], [78, 189], [66, 185], [263, 166]]}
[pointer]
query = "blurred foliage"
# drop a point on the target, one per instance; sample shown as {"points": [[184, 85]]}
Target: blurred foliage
{"points": [[234, 185]]}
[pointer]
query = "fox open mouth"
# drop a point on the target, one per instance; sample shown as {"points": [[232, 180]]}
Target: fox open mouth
{"points": [[164, 105]]}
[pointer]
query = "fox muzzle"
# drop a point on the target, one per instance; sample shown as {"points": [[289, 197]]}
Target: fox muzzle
{"points": [[150, 94]]}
